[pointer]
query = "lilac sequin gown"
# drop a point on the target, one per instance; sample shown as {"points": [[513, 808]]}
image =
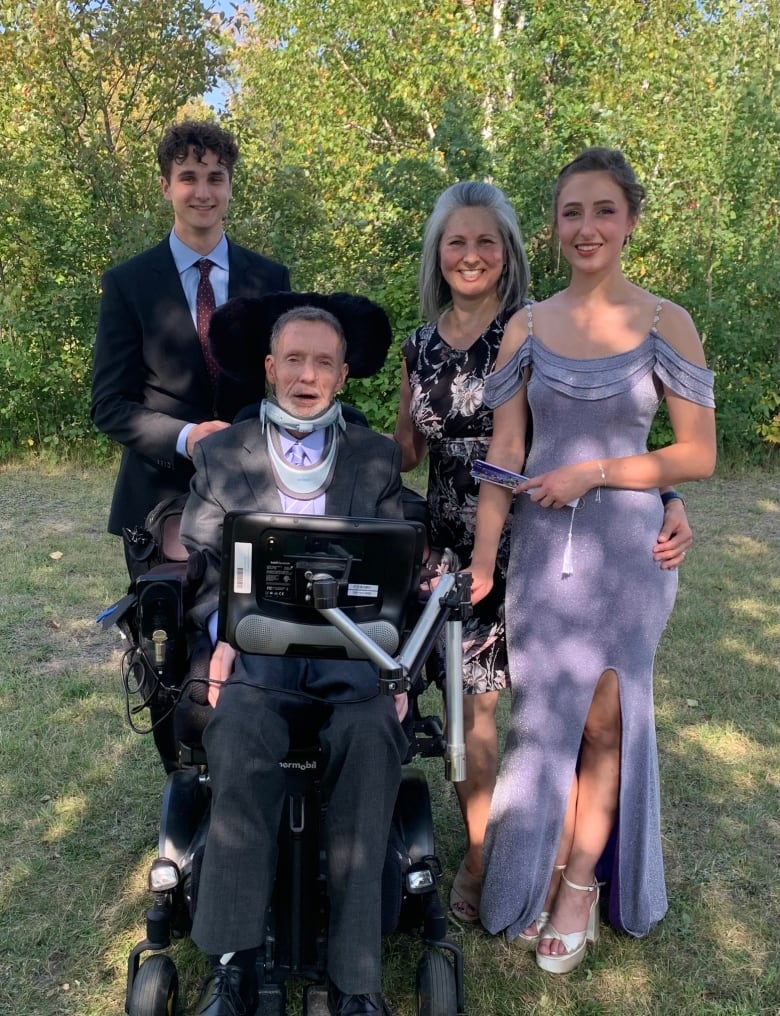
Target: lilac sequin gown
{"points": [[563, 632]]}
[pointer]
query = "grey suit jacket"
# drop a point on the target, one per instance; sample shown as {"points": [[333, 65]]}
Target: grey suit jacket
{"points": [[149, 378], [233, 473]]}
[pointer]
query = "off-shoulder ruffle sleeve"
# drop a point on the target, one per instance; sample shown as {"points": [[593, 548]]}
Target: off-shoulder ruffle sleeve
{"points": [[502, 384], [604, 377], [684, 378]]}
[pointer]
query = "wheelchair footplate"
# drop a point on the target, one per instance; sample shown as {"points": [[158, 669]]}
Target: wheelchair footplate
{"points": [[315, 1000], [272, 1001]]}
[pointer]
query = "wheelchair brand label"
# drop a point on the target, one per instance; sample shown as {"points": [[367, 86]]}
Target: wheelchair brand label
{"points": [[242, 567]]}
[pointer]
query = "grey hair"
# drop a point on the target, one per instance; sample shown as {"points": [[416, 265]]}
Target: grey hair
{"points": [[435, 292], [308, 313]]}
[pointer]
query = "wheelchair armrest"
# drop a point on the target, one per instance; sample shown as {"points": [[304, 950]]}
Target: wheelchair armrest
{"points": [[193, 711], [198, 677]]}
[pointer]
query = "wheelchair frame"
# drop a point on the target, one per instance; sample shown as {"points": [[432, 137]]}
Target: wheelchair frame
{"points": [[295, 944]]}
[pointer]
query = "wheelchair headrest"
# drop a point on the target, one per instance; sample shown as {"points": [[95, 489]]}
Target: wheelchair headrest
{"points": [[240, 333]]}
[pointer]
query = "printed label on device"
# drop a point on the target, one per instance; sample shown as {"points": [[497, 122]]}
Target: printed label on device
{"points": [[242, 567]]}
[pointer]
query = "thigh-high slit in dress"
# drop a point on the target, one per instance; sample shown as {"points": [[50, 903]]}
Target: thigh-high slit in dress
{"points": [[564, 631]]}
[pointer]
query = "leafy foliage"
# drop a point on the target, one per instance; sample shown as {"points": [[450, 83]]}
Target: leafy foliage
{"points": [[89, 87], [352, 117], [402, 102]]}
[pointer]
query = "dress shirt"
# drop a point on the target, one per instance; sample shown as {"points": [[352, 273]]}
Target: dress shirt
{"points": [[186, 260], [313, 445]]}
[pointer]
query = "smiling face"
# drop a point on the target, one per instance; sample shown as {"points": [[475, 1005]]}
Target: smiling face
{"points": [[471, 253], [593, 220], [306, 368], [200, 192]]}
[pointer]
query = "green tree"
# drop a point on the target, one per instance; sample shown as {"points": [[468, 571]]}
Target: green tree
{"points": [[89, 86], [357, 114], [352, 117]]}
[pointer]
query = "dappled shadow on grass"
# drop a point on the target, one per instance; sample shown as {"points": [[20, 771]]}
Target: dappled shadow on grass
{"points": [[82, 827], [718, 718], [80, 794]]}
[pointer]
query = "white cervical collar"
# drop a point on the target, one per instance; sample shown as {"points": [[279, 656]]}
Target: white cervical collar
{"points": [[302, 482], [271, 410]]}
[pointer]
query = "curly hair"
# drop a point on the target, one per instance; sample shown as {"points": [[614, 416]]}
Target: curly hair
{"points": [[200, 136]]}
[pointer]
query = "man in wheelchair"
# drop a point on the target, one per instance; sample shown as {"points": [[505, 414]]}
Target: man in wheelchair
{"points": [[301, 458]]}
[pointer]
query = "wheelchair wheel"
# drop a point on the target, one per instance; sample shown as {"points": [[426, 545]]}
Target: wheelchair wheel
{"points": [[155, 988], [436, 989]]}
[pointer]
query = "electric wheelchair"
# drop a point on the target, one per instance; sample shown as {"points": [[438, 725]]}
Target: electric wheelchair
{"points": [[310, 622]]}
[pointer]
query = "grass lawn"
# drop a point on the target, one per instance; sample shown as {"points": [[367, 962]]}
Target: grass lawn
{"points": [[80, 793]]}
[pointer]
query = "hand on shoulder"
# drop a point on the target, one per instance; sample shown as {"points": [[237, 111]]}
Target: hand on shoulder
{"points": [[201, 430]]}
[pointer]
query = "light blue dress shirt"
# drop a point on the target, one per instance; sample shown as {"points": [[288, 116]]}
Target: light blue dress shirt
{"points": [[186, 260]]}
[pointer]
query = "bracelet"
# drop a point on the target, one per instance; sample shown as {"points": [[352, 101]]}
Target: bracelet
{"points": [[671, 495], [602, 484]]}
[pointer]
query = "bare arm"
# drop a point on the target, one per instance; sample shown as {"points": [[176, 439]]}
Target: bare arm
{"points": [[413, 446], [507, 449], [690, 457], [675, 537]]}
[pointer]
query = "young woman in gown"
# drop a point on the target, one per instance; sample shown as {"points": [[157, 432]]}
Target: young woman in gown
{"points": [[473, 276], [586, 602]]}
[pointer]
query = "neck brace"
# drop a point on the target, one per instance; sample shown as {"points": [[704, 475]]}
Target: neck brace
{"points": [[271, 411], [301, 482]]}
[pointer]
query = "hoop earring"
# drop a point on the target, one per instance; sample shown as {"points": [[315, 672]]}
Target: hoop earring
{"points": [[558, 257], [627, 242]]}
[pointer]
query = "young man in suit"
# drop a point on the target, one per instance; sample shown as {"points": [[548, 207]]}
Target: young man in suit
{"points": [[341, 469], [151, 387]]}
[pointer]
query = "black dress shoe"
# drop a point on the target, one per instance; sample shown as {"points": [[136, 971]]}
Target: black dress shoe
{"points": [[227, 991], [341, 1004]]}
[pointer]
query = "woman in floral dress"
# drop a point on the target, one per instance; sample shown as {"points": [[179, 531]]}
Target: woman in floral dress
{"points": [[473, 277]]}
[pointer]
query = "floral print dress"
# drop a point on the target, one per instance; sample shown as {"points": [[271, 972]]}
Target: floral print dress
{"points": [[447, 409]]}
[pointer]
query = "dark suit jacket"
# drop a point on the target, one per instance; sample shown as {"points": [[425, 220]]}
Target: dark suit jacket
{"points": [[233, 473], [149, 378]]}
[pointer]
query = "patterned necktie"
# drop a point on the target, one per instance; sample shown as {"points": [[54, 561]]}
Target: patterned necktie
{"points": [[205, 305], [296, 455]]}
